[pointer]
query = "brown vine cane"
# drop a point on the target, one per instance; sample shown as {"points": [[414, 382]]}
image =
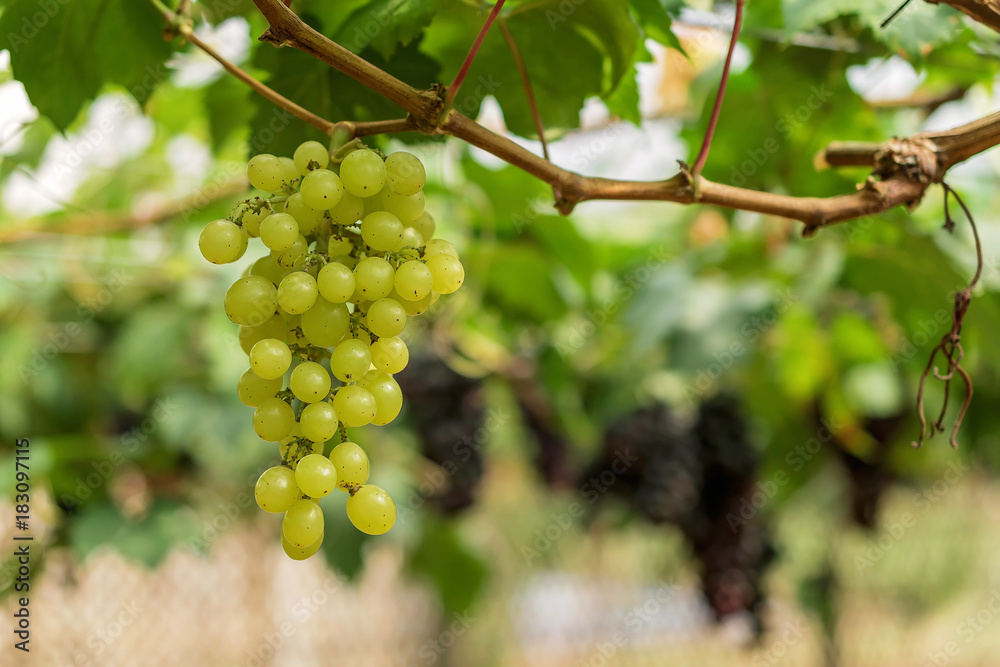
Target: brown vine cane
{"points": [[950, 345]]}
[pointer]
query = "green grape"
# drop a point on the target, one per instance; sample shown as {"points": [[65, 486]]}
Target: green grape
{"points": [[316, 475], [406, 173], [267, 266], [373, 277], [354, 405], [251, 301], [297, 292], [448, 273], [382, 230], [424, 225], [348, 210], [273, 328], [371, 510], [335, 282], [301, 553], [389, 354], [264, 172], [275, 490], [253, 389], [270, 358], [307, 218], [251, 220], [387, 394], [294, 256], [279, 231], [289, 174], [273, 419], [411, 239], [325, 323], [352, 466], [405, 207], [386, 318], [350, 360], [310, 382], [321, 189], [303, 523], [439, 247], [222, 242], [319, 421], [309, 152], [339, 246], [412, 308], [413, 281], [363, 173]]}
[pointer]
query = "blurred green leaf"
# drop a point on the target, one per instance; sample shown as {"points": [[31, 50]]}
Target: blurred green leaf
{"points": [[65, 53], [455, 570]]}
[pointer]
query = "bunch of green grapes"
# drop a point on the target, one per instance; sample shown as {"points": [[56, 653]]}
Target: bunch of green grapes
{"points": [[351, 258]]}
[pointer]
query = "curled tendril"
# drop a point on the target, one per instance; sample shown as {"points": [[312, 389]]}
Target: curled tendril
{"points": [[950, 345]]}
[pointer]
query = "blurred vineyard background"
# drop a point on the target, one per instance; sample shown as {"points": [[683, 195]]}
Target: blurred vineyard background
{"points": [[518, 542]]}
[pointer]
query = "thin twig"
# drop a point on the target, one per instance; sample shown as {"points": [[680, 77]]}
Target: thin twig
{"points": [[373, 127], [893, 15], [425, 110], [522, 68], [183, 26], [717, 107], [452, 92], [950, 345], [269, 93], [94, 224]]}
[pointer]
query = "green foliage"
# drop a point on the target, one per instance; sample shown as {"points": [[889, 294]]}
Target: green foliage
{"points": [[614, 306], [455, 570], [65, 53]]}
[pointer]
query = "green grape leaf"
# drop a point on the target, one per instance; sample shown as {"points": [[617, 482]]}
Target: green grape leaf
{"points": [[520, 280], [600, 34], [227, 103], [326, 92], [654, 20], [147, 541], [455, 570], [65, 54], [916, 31], [384, 25]]}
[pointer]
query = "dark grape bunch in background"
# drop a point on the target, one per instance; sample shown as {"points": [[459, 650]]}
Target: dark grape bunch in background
{"points": [[352, 256], [447, 412], [696, 477]]}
